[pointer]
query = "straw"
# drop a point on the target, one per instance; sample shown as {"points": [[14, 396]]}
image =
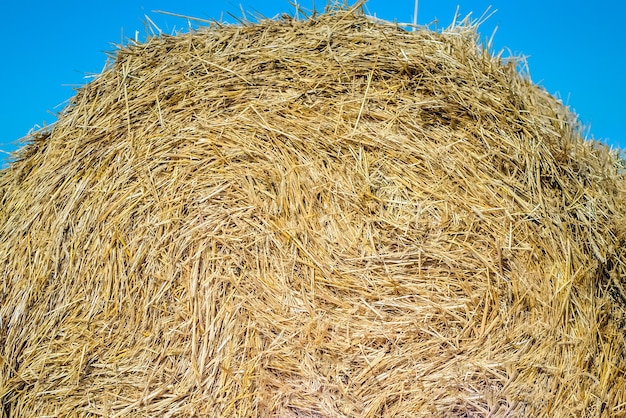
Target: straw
{"points": [[329, 217]]}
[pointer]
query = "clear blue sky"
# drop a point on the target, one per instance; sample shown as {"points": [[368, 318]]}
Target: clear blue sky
{"points": [[575, 49]]}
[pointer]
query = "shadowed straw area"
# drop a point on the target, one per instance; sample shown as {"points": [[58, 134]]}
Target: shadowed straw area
{"points": [[328, 217]]}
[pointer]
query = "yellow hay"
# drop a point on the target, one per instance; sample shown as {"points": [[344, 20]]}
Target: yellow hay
{"points": [[330, 217]]}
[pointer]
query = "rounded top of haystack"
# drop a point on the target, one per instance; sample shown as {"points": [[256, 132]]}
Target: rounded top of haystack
{"points": [[321, 217]]}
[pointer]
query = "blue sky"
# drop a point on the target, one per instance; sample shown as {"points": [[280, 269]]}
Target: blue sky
{"points": [[576, 50]]}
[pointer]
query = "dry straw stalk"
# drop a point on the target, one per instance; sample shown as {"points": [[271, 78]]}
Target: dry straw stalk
{"points": [[329, 217]]}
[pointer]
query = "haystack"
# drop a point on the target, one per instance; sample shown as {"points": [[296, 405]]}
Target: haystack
{"points": [[321, 217]]}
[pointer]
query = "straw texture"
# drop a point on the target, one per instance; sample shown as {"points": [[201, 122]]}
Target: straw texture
{"points": [[328, 217]]}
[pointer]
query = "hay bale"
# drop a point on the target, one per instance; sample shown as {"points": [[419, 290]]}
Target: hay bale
{"points": [[329, 217]]}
